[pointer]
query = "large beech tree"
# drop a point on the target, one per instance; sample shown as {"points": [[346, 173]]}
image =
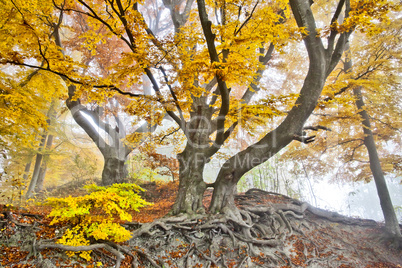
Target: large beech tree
{"points": [[113, 147], [216, 50]]}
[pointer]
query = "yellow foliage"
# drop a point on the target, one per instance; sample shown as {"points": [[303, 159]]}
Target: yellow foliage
{"points": [[24, 104], [93, 216], [76, 237]]}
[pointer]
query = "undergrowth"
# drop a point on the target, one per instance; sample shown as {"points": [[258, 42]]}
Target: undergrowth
{"points": [[97, 215]]}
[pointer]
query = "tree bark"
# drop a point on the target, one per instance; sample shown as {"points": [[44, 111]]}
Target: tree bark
{"points": [[115, 154], [41, 177], [27, 169], [191, 184], [39, 156], [391, 221], [43, 168], [114, 168], [38, 162]]}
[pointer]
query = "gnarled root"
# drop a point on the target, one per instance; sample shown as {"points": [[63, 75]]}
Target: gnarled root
{"points": [[119, 255]]}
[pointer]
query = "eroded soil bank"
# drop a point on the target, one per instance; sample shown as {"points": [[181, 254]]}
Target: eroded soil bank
{"points": [[269, 230]]}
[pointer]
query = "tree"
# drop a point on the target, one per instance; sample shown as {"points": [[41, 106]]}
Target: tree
{"points": [[113, 148], [24, 98], [375, 74], [45, 143], [194, 70], [391, 221], [115, 152]]}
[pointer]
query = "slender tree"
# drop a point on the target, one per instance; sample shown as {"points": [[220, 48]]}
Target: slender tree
{"points": [[46, 139], [391, 221], [360, 131]]}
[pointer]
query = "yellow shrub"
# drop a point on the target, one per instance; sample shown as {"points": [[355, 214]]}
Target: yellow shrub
{"points": [[94, 216]]}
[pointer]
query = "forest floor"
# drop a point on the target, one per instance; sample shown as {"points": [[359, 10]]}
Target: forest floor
{"points": [[277, 231]]}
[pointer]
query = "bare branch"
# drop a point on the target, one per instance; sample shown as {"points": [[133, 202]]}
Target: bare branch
{"points": [[304, 139], [174, 97], [167, 135], [331, 38], [340, 45], [248, 18], [316, 128]]}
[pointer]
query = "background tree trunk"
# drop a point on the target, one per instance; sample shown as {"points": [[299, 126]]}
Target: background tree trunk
{"points": [[38, 162], [39, 156], [43, 168], [116, 152], [27, 169], [391, 221], [114, 168]]}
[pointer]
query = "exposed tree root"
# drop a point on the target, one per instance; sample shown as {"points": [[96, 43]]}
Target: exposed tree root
{"points": [[140, 252], [254, 231], [10, 217], [250, 228], [119, 255], [284, 232]]}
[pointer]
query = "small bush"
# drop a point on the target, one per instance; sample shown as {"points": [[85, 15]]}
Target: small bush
{"points": [[96, 216]]}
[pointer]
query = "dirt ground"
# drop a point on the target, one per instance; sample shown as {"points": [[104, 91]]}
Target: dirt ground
{"points": [[277, 231]]}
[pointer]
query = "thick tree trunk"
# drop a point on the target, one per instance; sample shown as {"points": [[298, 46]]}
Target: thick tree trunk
{"points": [[223, 196], [391, 221], [115, 163], [191, 184], [114, 170], [114, 154], [235, 167]]}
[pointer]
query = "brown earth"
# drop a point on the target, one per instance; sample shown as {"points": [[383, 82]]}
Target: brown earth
{"points": [[277, 231]]}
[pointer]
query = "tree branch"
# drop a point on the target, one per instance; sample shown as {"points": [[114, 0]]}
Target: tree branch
{"points": [[72, 80], [288, 130], [336, 55], [178, 19], [254, 88], [175, 98], [248, 19], [223, 90], [316, 128], [334, 33], [304, 139], [167, 135], [122, 18]]}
